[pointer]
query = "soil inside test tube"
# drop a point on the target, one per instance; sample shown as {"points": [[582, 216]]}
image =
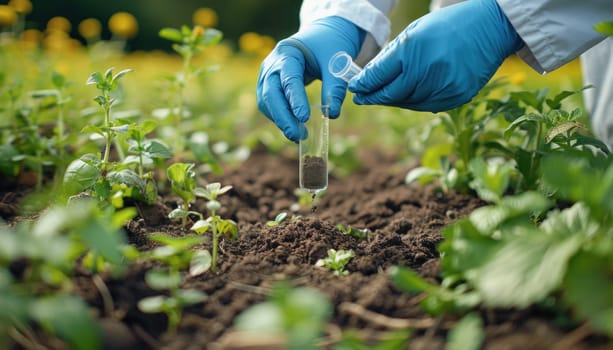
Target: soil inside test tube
{"points": [[314, 172]]}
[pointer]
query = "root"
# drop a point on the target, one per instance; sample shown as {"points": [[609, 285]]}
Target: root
{"points": [[105, 294], [574, 337], [390, 322]]}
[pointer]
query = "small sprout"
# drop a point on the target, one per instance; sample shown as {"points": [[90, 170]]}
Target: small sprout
{"points": [[354, 232], [278, 219], [336, 261]]}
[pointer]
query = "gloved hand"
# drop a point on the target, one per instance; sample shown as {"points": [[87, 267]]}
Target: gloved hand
{"points": [[295, 62], [441, 60]]}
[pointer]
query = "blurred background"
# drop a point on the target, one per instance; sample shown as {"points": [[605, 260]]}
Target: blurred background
{"points": [[274, 18]]}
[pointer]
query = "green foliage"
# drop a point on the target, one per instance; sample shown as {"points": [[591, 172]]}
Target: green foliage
{"points": [[354, 232], [605, 28], [218, 226], [177, 253], [278, 219], [297, 315], [336, 261], [51, 247], [467, 334]]}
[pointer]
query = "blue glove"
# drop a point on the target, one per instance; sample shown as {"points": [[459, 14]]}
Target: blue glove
{"points": [[298, 60], [441, 60]]}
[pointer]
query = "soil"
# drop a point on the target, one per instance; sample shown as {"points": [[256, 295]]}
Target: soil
{"points": [[314, 173], [405, 223]]}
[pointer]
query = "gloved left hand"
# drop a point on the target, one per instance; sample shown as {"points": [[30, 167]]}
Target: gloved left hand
{"points": [[298, 60], [441, 60]]}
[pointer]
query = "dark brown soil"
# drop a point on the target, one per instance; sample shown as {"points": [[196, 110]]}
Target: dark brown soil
{"points": [[405, 222]]}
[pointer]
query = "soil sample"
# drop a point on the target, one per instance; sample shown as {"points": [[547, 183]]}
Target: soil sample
{"points": [[314, 173]]}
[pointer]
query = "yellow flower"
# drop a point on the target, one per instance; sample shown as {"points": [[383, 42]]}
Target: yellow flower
{"points": [[31, 36], [123, 25], [59, 23], [250, 42], [205, 17], [21, 6], [7, 16], [267, 44], [90, 28]]}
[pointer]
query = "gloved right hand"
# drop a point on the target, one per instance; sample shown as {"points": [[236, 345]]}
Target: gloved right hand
{"points": [[298, 60]]}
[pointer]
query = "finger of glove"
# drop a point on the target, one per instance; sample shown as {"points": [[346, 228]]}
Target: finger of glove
{"points": [[292, 82], [391, 94], [333, 91], [378, 73], [279, 111]]}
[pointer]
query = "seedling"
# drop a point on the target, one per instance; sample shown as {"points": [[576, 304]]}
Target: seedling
{"points": [[215, 223], [278, 219], [299, 315], [178, 254], [336, 261], [354, 232], [183, 182], [106, 84]]}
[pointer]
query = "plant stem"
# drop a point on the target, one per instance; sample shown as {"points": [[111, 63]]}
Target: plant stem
{"points": [[215, 243], [107, 135]]}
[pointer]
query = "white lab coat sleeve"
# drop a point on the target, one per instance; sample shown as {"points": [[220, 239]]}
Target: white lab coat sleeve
{"points": [[370, 15], [556, 31]]}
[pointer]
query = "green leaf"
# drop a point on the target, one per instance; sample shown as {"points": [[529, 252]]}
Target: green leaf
{"points": [[528, 118], [490, 179], [467, 334], [409, 281], [80, 176], [171, 34], [563, 128], [488, 218], [190, 296], [423, 174], [180, 243], [95, 79], [201, 226], [127, 177], [46, 93], [69, 318], [211, 37], [93, 129], [525, 269], [120, 75], [163, 279], [153, 304], [605, 28], [587, 288], [102, 238], [156, 149], [200, 262], [199, 145]]}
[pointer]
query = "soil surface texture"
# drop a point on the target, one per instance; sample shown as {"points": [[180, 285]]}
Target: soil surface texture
{"points": [[404, 222]]}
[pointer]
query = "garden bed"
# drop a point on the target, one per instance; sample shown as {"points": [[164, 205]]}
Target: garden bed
{"points": [[405, 223]]}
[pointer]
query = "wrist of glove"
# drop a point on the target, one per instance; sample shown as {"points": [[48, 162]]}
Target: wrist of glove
{"points": [[441, 60], [298, 60]]}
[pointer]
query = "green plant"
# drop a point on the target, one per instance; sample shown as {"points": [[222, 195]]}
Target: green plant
{"points": [[523, 250], [177, 254], [278, 219], [354, 232], [49, 249], [214, 222], [107, 84], [605, 28], [297, 316], [337, 260]]}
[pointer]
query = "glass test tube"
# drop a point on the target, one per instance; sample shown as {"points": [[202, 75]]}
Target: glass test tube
{"points": [[341, 65], [313, 149]]}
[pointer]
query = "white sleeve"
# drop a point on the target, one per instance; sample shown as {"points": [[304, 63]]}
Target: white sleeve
{"points": [[370, 15], [556, 31]]}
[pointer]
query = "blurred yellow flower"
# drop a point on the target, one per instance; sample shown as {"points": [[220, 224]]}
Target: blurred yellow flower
{"points": [[205, 17], [123, 25], [21, 6], [268, 43], [250, 42], [7, 16], [32, 36], [90, 28], [59, 23]]}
